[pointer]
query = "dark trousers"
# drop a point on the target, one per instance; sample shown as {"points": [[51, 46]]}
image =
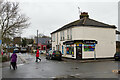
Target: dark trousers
{"points": [[14, 65], [37, 59]]}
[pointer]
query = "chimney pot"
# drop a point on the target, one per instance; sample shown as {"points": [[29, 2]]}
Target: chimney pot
{"points": [[84, 14]]}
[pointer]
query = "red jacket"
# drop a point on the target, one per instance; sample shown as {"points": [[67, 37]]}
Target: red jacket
{"points": [[37, 53]]}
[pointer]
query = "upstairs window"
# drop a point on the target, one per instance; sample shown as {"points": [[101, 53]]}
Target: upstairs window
{"points": [[53, 38], [68, 34], [71, 34], [62, 35]]}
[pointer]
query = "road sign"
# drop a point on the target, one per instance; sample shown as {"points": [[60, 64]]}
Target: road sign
{"points": [[0, 42]]}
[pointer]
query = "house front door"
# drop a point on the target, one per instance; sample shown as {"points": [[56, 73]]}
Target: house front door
{"points": [[78, 52]]}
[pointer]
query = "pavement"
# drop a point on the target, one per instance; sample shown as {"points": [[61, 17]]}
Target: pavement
{"points": [[67, 68], [86, 60]]}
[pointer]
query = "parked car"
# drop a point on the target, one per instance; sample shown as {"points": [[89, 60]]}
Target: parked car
{"points": [[34, 51], [23, 50], [54, 55], [117, 56], [42, 51], [16, 50]]}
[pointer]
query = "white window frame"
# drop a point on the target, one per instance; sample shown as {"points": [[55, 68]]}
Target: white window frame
{"points": [[71, 33], [63, 36], [68, 34], [53, 38]]}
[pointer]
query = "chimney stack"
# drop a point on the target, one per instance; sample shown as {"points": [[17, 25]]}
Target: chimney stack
{"points": [[84, 14]]}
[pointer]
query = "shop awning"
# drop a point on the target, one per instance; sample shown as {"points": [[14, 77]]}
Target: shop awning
{"points": [[80, 41]]}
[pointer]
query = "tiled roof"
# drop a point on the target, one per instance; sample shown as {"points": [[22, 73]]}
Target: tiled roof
{"points": [[85, 22]]}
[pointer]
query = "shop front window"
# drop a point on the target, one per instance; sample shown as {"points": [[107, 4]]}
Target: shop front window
{"points": [[62, 49], [89, 47], [70, 49]]}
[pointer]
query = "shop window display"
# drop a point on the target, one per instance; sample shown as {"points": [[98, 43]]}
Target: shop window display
{"points": [[70, 49], [89, 47]]}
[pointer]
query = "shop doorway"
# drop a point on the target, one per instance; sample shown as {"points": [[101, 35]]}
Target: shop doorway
{"points": [[78, 52]]}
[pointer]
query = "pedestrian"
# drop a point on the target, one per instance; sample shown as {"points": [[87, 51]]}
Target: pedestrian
{"points": [[2, 52], [14, 60], [37, 56]]}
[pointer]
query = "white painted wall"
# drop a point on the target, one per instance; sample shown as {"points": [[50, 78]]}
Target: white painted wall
{"points": [[106, 38]]}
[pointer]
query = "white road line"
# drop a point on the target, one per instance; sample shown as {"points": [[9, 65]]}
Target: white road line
{"points": [[52, 77], [20, 64]]}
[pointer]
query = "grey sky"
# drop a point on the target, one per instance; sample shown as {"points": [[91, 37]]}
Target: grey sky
{"points": [[49, 15]]}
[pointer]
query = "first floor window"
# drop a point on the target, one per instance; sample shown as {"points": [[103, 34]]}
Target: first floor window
{"points": [[68, 34], [71, 33], [53, 37]]}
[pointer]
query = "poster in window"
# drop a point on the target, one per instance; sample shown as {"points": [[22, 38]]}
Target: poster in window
{"points": [[89, 47]]}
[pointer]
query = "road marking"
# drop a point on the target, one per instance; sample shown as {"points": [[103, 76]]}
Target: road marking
{"points": [[52, 77], [20, 64]]}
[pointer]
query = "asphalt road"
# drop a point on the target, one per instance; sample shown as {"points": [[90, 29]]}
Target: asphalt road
{"points": [[28, 68]]}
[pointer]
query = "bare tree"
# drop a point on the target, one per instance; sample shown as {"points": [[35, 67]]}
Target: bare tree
{"points": [[11, 20], [41, 35]]}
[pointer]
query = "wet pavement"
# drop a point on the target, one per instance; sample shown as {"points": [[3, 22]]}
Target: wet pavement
{"points": [[28, 68]]}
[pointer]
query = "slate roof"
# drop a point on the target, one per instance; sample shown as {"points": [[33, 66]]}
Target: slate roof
{"points": [[85, 22], [42, 40]]}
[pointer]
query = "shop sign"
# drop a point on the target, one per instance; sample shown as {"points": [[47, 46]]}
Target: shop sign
{"points": [[79, 44], [67, 45], [90, 41], [71, 45]]}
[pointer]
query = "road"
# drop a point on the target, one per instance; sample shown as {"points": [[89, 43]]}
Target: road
{"points": [[28, 68]]}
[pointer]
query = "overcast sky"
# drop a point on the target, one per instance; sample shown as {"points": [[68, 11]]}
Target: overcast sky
{"points": [[49, 15]]}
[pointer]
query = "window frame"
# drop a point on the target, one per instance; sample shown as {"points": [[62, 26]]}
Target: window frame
{"points": [[62, 38], [53, 37], [68, 34]]}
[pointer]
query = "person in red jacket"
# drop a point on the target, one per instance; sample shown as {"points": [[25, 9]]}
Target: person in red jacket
{"points": [[37, 56]]}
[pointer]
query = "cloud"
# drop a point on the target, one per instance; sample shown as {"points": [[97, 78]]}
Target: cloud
{"points": [[49, 15]]}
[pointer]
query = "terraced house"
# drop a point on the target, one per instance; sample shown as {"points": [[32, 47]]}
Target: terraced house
{"points": [[85, 39]]}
